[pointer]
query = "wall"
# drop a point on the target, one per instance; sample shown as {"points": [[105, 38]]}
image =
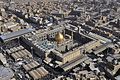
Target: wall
{"points": [[71, 56]]}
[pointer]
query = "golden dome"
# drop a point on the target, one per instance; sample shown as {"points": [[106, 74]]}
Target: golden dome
{"points": [[59, 37]]}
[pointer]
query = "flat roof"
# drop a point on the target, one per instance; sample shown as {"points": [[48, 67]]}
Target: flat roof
{"points": [[13, 35], [102, 47]]}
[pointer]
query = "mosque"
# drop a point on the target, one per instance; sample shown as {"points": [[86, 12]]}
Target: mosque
{"points": [[59, 44]]}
